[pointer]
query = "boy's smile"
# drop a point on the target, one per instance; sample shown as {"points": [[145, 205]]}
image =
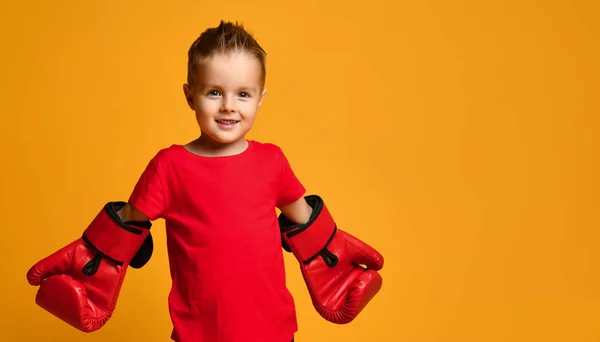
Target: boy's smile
{"points": [[226, 124]]}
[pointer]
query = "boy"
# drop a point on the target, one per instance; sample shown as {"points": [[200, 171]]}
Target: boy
{"points": [[217, 195]]}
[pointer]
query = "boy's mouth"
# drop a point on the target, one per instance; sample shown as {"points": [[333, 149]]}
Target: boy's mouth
{"points": [[226, 124]]}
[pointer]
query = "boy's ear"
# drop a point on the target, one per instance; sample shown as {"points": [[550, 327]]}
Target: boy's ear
{"points": [[189, 96], [262, 96]]}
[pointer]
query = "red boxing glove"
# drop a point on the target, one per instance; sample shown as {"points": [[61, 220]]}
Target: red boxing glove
{"points": [[80, 283], [330, 260]]}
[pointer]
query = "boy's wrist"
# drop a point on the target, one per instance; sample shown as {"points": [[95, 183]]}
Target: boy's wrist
{"points": [[130, 213]]}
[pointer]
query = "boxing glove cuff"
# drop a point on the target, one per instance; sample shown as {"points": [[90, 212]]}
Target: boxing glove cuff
{"points": [[309, 241], [114, 239]]}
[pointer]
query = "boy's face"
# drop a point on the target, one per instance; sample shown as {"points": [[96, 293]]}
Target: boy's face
{"points": [[226, 96]]}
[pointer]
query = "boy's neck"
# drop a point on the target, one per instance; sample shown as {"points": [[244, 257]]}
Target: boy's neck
{"points": [[205, 146]]}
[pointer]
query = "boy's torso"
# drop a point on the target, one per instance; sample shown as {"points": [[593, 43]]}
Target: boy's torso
{"points": [[224, 247]]}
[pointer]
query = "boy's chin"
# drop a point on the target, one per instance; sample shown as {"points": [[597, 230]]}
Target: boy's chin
{"points": [[227, 138], [230, 141]]}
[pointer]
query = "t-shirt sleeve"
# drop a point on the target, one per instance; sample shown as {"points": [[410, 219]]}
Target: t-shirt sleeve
{"points": [[148, 195], [290, 188]]}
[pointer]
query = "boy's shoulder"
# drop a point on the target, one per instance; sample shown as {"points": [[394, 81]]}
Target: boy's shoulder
{"points": [[265, 147], [166, 155], [167, 152]]}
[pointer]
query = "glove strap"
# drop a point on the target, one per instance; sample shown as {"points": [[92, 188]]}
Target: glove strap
{"points": [[309, 241], [113, 239]]}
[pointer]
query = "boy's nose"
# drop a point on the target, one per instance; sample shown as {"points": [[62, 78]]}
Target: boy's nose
{"points": [[227, 105]]}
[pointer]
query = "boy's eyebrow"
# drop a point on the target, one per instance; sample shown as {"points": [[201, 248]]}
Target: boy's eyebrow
{"points": [[251, 89], [209, 85], [242, 88]]}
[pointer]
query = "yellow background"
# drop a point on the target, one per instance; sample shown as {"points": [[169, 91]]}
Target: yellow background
{"points": [[456, 137]]}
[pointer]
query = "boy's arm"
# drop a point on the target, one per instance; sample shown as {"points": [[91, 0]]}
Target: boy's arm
{"points": [[290, 201], [298, 211]]}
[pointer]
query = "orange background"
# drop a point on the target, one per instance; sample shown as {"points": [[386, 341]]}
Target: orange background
{"points": [[456, 137]]}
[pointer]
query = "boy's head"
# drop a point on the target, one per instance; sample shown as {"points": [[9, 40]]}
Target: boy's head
{"points": [[225, 82]]}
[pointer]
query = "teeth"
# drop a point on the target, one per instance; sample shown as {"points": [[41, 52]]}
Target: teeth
{"points": [[227, 122]]}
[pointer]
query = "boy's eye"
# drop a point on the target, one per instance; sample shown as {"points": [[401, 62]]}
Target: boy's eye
{"points": [[244, 94], [214, 93]]}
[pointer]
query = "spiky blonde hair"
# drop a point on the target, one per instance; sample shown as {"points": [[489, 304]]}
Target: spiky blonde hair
{"points": [[225, 38]]}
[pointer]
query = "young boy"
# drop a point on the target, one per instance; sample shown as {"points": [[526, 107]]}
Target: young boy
{"points": [[217, 195]]}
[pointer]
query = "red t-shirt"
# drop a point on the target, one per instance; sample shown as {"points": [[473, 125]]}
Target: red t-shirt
{"points": [[223, 240]]}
